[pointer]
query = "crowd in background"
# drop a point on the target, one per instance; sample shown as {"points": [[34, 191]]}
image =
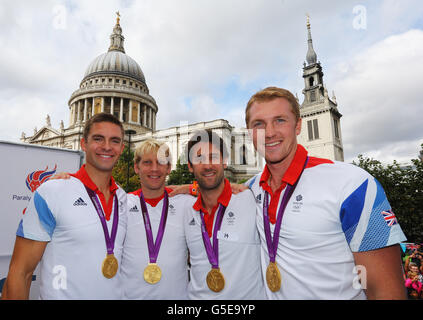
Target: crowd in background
{"points": [[413, 269]]}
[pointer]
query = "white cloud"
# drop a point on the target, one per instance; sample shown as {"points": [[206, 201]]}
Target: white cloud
{"points": [[203, 59], [379, 95]]}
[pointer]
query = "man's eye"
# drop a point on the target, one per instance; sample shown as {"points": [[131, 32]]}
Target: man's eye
{"points": [[257, 124]]}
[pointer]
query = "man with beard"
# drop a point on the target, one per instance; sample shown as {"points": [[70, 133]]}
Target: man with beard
{"points": [[220, 228]]}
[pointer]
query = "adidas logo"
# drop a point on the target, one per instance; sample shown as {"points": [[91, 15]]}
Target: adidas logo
{"points": [[258, 198], [134, 209], [79, 202], [192, 223]]}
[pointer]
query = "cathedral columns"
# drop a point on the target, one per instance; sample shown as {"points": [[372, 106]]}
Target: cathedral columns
{"points": [[130, 112], [78, 119], [112, 100], [85, 109], [102, 104], [150, 122], [71, 115], [144, 121], [92, 107], [121, 110], [139, 113]]}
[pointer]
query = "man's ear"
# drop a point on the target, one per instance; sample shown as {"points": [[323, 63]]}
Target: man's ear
{"points": [[298, 126], [169, 168], [225, 163], [123, 148], [83, 144], [190, 168]]}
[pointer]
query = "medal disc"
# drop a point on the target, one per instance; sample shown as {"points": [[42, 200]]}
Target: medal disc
{"points": [[273, 277], [109, 266], [152, 273], [215, 280]]}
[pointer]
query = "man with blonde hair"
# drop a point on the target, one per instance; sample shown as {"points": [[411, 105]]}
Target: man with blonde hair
{"points": [[155, 255], [320, 221]]}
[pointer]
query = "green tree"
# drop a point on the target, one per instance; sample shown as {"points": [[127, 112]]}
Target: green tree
{"points": [[120, 171], [180, 175], [404, 189]]}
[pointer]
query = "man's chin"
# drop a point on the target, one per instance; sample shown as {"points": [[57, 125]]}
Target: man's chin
{"points": [[154, 186], [105, 168], [209, 185], [274, 160]]}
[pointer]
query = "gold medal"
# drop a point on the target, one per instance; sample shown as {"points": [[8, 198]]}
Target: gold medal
{"points": [[215, 280], [273, 277], [152, 273], [109, 266]]}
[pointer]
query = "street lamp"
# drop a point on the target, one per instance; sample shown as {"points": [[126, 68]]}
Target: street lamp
{"points": [[129, 132]]}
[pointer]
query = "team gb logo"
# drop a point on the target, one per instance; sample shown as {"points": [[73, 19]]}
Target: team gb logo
{"points": [[36, 178]]}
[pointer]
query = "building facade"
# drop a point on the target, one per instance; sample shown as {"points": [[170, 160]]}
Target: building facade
{"points": [[114, 83]]}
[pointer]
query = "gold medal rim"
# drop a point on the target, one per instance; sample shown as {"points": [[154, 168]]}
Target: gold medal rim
{"points": [[147, 271], [114, 270], [277, 287], [220, 275]]}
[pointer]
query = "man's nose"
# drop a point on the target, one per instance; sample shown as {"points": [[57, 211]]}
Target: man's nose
{"points": [[269, 130]]}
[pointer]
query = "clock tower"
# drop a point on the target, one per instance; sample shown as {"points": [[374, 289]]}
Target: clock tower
{"points": [[321, 125]]}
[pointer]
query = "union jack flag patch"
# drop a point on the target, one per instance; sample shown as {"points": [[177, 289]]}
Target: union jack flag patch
{"points": [[390, 218]]}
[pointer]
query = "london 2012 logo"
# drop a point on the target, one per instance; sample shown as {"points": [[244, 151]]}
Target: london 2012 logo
{"points": [[36, 178]]}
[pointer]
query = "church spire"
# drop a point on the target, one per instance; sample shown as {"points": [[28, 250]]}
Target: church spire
{"points": [[311, 54], [116, 38]]}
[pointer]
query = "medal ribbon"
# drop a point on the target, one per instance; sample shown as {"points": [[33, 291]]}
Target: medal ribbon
{"points": [[154, 247], [110, 240], [272, 244], [212, 252]]}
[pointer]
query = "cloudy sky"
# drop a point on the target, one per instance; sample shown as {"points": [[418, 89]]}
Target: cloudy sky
{"points": [[203, 59]]}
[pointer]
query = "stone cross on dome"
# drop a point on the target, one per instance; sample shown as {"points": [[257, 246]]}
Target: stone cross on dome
{"points": [[116, 38]]}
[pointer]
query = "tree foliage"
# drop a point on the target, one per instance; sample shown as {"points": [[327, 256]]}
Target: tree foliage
{"points": [[180, 175], [404, 189], [120, 171]]}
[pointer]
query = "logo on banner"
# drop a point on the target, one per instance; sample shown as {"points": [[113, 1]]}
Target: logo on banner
{"points": [[36, 178]]}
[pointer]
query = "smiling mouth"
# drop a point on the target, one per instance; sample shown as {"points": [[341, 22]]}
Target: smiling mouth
{"points": [[272, 144], [210, 174], [104, 156]]}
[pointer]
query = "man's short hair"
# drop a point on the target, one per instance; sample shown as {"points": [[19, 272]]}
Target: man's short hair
{"points": [[207, 136], [272, 93], [153, 145], [101, 117]]}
